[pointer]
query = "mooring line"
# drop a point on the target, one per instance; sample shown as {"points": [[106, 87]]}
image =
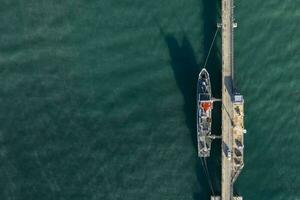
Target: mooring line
{"points": [[211, 45]]}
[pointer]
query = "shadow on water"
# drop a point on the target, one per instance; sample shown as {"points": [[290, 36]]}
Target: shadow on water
{"points": [[186, 70]]}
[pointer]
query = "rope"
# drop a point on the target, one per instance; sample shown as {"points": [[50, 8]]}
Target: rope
{"points": [[211, 45], [204, 165], [209, 178]]}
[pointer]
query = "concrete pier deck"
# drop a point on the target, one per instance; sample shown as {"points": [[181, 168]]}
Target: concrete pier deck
{"points": [[219, 198], [232, 110], [227, 65]]}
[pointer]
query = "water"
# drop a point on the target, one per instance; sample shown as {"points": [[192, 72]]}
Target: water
{"points": [[98, 98]]}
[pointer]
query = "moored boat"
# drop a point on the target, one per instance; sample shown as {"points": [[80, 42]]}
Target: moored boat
{"points": [[204, 112]]}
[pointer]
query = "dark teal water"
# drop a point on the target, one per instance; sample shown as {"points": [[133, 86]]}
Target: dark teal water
{"points": [[97, 98]]}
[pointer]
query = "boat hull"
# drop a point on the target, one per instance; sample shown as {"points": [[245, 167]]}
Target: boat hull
{"points": [[204, 118]]}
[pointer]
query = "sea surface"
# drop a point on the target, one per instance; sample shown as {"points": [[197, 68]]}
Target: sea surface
{"points": [[97, 99]]}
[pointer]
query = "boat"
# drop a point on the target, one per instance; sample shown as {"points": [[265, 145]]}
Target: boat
{"points": [[204, 114]]}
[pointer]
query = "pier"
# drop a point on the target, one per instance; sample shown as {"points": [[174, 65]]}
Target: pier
{"points": [[232, 110]]}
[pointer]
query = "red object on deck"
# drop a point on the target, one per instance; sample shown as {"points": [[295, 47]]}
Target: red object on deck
{"points": [[206, 106]]}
